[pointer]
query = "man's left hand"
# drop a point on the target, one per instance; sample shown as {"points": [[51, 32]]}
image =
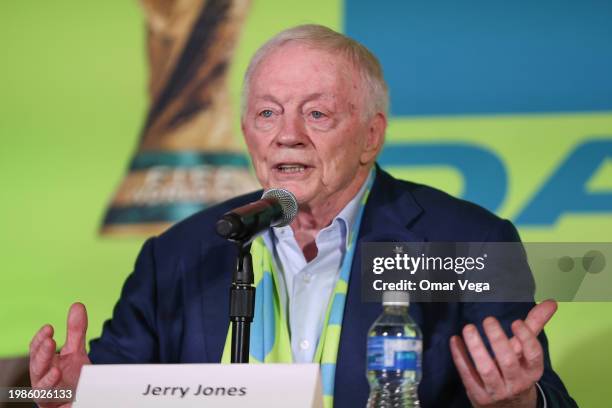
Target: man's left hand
{"points": [[508, 378]]}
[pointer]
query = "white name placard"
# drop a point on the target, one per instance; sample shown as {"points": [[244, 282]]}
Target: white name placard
{"points": [[200, 385]]}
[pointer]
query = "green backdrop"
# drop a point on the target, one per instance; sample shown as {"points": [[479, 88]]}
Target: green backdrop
{"points": [[73, 85]]}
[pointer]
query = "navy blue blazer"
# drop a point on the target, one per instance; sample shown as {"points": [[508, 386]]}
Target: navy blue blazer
{"points": [[174, 306]]}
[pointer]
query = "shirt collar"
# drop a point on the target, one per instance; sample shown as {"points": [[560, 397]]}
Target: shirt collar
{"points": [[349, 213]]}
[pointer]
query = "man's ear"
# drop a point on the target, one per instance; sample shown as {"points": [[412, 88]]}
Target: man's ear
{"points": [[375, 138]]}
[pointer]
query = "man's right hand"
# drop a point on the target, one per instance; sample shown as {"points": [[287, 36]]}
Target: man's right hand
{"points": [[49, 369]]}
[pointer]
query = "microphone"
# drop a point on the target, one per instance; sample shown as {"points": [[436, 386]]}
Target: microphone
{"points": [[276, 208]]}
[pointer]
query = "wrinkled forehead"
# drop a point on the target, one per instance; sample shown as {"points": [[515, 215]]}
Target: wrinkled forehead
{"points": [[297, 67]]}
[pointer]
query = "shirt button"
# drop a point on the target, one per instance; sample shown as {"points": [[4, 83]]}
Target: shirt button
{"points": [[304, 344], [307, 277]]}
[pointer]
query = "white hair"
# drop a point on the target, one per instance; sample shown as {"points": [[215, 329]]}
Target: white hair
{"points": [[320, 37]]}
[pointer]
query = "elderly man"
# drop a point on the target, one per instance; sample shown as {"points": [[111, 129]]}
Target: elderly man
{"points": [[314, 119]]}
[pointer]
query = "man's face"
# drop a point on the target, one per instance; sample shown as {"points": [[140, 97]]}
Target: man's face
{"points": [[305, 124]]}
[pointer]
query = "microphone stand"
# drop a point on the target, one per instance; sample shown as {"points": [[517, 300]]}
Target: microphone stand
{"points": [[242, 303], [240, 226]]}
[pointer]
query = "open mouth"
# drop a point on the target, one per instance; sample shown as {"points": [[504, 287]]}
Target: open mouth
{"points": [[290, 168]]}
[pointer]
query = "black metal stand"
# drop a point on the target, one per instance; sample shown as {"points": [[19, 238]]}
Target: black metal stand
{"points": [[242, 304]]}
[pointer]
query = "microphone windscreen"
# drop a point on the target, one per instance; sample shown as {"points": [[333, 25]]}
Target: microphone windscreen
{"points": [[288, 203]]}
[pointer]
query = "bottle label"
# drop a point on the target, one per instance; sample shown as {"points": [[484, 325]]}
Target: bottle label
{"points": [[394, 353]]}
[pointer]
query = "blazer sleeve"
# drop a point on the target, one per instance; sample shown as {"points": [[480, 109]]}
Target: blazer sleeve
{"points": [[507, 312], [130, 336]]}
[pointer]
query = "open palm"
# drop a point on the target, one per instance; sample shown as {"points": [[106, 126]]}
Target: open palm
{"points": [[49, 369]]}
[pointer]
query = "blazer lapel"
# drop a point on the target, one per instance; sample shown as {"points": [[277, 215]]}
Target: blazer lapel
{"points": [[389, 211]]}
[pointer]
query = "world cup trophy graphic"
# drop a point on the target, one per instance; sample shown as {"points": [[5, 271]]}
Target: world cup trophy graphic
{"points": [[187, 157]]}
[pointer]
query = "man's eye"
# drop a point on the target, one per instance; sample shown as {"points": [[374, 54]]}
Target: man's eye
{"points": [[265, 113], [316, 114]]}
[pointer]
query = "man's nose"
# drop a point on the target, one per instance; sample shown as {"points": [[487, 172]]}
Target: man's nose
{"points": [[292, 133]]}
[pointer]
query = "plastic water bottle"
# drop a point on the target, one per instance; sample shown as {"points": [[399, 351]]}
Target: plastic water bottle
{"points": [[394, 355]]}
